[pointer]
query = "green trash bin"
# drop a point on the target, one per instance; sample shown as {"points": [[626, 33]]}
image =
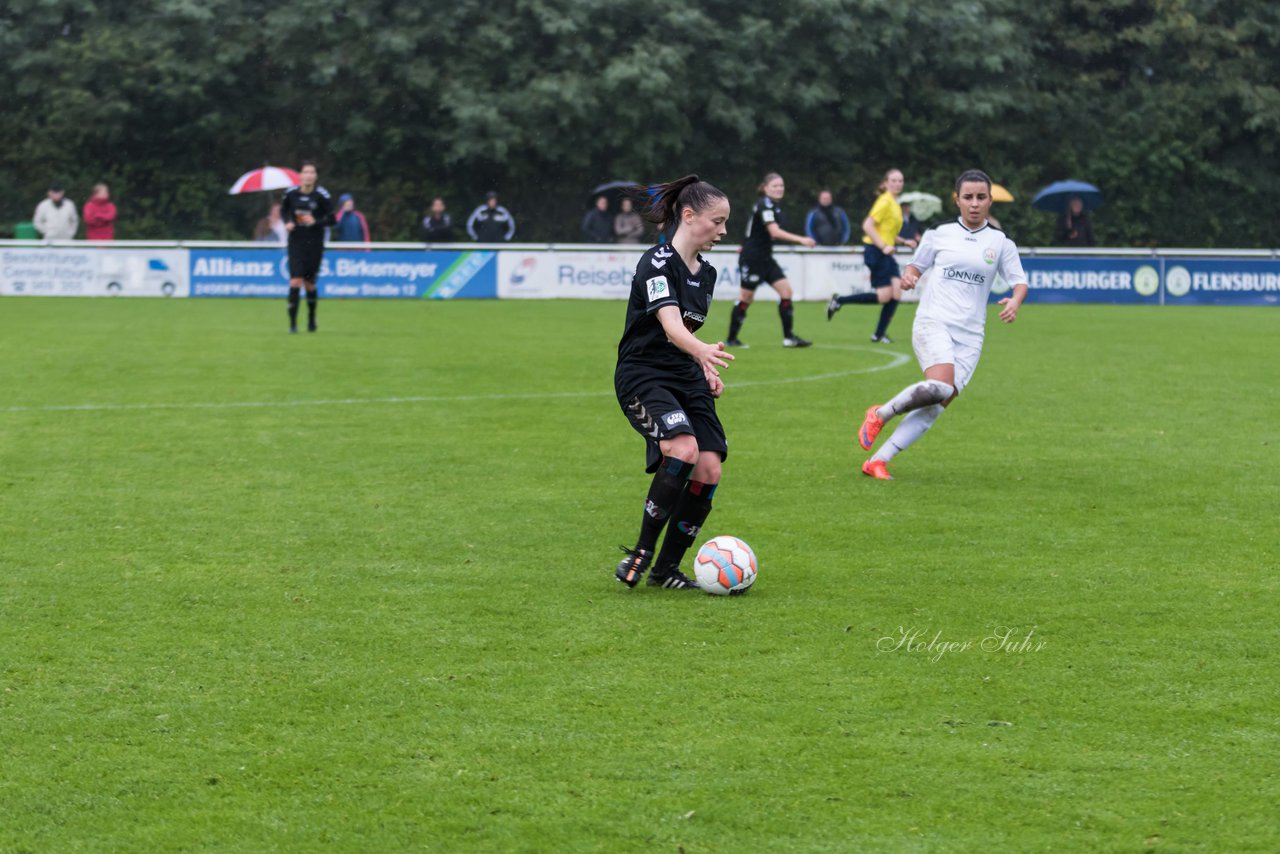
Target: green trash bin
{"points": [[25, 231]]}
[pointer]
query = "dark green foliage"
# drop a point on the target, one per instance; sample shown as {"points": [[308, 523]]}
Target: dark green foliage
{"points": [[1171, 106]]}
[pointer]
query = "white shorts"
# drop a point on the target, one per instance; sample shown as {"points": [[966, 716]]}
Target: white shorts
{"points": [[935, 344]]}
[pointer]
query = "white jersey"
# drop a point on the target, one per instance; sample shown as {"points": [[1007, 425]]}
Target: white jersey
{"points": [[967, 264]]}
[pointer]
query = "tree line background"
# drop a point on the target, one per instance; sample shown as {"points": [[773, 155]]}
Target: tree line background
{"points": [[1172, 107]]}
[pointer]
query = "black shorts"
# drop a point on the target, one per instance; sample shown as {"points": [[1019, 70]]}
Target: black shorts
{"points": [[764, 271], [304, 260], [883, 268], [659, 409]]}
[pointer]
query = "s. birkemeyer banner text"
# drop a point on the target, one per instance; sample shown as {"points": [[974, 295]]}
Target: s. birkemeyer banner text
{"points": [[1002, 640]]}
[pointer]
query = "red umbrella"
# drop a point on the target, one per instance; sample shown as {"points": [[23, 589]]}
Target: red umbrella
{"points": [[266, 178]]}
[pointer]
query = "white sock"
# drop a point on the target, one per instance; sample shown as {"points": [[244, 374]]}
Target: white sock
{"points": [[915, 425], [924, 393]]}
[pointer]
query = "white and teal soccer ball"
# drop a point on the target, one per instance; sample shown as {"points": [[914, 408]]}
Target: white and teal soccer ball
{"points": [[725, 566]]}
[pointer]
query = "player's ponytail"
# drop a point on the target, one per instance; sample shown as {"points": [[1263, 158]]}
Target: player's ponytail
{"points": [[662, 203]]}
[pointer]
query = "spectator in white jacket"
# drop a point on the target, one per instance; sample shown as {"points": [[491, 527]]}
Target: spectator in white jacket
{"points": [[55, 217]]}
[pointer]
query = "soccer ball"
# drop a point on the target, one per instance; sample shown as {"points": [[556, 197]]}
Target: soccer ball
{"points": [[725, 566]]}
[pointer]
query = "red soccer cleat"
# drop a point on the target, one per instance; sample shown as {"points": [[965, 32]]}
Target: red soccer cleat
{"points": [[876, 468], [871, 426]]}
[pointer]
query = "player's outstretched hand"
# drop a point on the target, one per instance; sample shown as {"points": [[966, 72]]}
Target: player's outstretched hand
{"points": [[1010, 311], [716, 355]]}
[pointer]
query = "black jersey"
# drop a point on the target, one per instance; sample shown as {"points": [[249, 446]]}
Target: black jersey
{"points": [[662, 279], [758, 244], [317, 203]]}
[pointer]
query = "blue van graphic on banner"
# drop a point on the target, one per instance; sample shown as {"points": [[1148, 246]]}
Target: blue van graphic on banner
{"points": [[344, 273]]}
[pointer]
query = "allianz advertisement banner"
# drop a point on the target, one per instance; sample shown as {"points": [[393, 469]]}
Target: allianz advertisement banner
{"points": [[345, 273]]}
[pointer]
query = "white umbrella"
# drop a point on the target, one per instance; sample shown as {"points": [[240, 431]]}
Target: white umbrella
{"points": [[923, 205], [266, 178]]}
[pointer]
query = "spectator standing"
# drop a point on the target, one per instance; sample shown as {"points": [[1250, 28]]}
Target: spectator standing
{"points": [[351, 226], [597, 223], [55, 217], [827, 224], [1073, 228], [628, 225], [911, 232], [100, 215], [491, 222], [437, 227], [270, 229]]}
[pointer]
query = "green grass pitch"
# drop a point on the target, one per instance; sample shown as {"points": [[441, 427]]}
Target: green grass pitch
{"points": [[353, 591]]}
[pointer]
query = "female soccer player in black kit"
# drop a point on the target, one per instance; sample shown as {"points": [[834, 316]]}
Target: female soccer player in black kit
{"points": [[307, 211], [666, 379], [757, 266]]}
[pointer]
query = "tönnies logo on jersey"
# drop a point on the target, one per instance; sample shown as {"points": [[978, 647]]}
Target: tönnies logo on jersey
{"points": [[674, 418], [957, 274]]}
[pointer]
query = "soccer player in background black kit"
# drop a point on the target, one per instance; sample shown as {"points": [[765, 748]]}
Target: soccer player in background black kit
{"points": [[307, 210], [666, 379], [757, 266]]}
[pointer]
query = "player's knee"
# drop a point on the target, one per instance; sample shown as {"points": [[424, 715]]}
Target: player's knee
{"points": [[940, 391], [683, 447], [708, 469]]}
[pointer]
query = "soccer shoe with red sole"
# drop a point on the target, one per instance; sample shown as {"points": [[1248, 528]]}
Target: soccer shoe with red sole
{"points": [[631, 568], [871, 427], [876, 468]]}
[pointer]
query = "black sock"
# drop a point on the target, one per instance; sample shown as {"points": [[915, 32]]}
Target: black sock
{"points": [[311, 307], [664, 493], [886, 314], [686, 522], [736, 317], [294, 296], [865, 299], [787, 313]]}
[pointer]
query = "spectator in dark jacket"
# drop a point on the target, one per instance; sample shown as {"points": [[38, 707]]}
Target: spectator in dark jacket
{"points": [[437, 227], [597, 224], [1073, 228], [491, 222], [351, 226], [827, 224]]}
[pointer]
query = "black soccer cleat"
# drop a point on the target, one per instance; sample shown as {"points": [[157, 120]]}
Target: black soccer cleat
{"points": [[796, 341], [881, 339], [833, 305], [671, 578], [311, 327], [734, 342], [632, 567]]}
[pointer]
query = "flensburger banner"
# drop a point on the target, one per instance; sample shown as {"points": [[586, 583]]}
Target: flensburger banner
{"points": [[1111, 280], [345, 273], [64, 271], [1221, 282]]}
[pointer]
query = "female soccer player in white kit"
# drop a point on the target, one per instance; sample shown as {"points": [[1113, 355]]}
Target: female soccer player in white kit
{"points": [[947, 336]]}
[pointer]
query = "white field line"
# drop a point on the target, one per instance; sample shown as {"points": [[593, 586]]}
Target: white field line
{"points": [[896, 360]]}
